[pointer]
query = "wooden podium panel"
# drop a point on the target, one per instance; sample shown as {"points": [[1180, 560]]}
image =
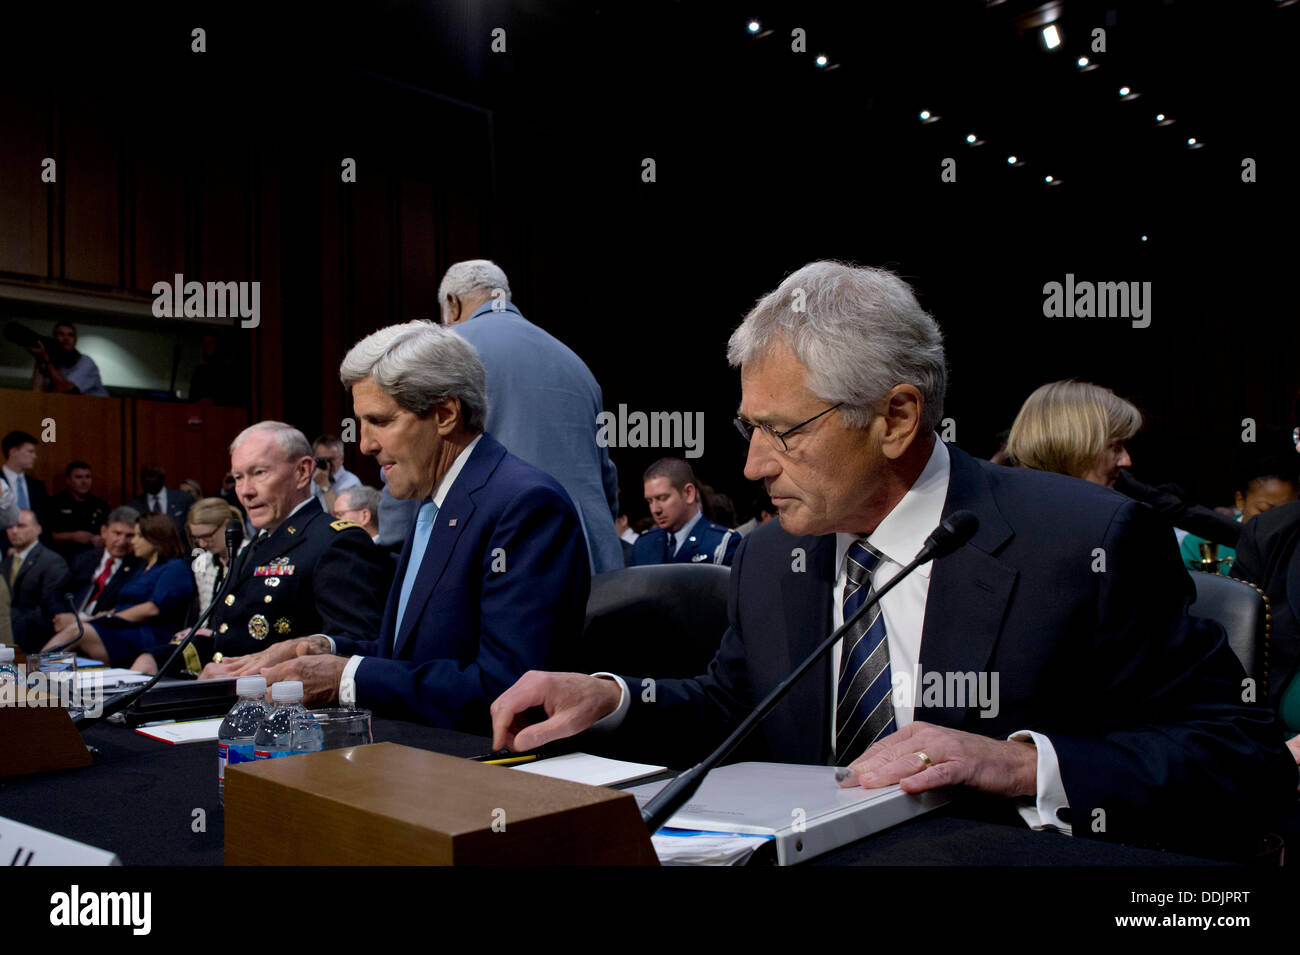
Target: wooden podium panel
{"points": [[386, 804], [36, 739]]}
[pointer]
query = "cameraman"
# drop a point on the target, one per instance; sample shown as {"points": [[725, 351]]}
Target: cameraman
{"points": [[66, 371], [330, 478]]}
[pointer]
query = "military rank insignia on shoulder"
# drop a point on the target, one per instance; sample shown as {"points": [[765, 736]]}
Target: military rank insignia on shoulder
{"points": [[343, 525]]}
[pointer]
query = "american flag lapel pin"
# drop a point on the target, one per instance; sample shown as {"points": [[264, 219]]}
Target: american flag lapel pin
{"points": [[452, 522]]}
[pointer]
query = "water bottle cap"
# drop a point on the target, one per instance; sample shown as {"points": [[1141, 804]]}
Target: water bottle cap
{"points": [[251, 686], [290, 691], [6, 654]]}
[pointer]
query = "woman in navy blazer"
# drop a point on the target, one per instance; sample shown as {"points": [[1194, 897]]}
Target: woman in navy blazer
{"points": [[151, 605]]}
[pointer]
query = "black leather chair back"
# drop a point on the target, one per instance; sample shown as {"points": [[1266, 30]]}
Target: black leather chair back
{"points": [[1243, 611], [662, 620]]}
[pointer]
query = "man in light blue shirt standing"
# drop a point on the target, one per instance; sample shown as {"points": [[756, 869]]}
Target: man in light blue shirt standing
{"points": [[67, 371], [543, 401]]}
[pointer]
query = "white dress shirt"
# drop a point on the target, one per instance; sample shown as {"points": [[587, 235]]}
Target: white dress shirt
{"points": [[899, 537], [348, 681]]}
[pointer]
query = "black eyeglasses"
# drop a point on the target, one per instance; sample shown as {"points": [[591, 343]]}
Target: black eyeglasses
{"points": [[747, 428]]}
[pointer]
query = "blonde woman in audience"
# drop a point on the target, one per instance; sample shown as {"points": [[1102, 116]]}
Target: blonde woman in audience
{"points": [[206, 527], [1074, 428]]}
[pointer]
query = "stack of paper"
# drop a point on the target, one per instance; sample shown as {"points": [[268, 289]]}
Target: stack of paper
{"points": [[592, 770]]}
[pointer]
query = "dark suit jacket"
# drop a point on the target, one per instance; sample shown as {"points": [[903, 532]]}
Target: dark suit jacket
{"points": [[699, 548], [1142, 703], [80, 581], [178, 506], [30, 597], [502, 589], [1266, 556]]}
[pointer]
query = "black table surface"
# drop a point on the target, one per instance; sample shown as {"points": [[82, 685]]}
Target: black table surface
{"points": [[153, 803]]}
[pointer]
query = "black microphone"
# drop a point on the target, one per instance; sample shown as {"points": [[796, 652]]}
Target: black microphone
{"points": [[957, 529], [235, 536], [81, 631]]}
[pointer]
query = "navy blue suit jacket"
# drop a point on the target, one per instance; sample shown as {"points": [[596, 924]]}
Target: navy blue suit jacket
{"points": [[502, 590], [1142, 703], [699, 548]]}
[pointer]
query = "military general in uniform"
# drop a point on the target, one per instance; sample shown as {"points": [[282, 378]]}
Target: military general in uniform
{"points": [[303, 573]]}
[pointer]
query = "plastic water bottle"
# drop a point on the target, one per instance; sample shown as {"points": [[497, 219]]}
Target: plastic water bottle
{"points": [[8, 672], [238, 729], [275, 736], [308, 737]]}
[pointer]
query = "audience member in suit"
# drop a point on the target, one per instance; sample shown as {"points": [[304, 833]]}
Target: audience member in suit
{"points": [[683, 534], [543, 403], [1267, 556], [1079, 429], [1110, 697], [19, 449], [32, 573], [151, 604], [76, 515], [8, 518], [96, 577], [494, 578], [160, 499], [205, 526]]}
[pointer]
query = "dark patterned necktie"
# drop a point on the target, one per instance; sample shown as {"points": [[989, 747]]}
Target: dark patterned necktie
{"points": [[668, 546], [865, 708]]}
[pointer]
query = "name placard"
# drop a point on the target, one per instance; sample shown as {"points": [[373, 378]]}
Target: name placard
{"points": [[25, 845]]}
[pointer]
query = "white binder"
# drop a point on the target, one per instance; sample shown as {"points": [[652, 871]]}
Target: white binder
{"points": [[802, 807]]}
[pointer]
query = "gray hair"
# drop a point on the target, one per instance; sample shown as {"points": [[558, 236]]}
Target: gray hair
{"points": [[360, 497], [858, 330], [122, 515], [471, 276], [420, 364], [292, 441]]}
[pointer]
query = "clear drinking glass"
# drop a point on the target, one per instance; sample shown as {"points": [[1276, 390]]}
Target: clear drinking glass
{"points": [[343, 727], [54, 673]]}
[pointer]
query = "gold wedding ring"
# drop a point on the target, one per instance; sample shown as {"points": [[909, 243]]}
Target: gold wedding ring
{"points": [[924, 758]]}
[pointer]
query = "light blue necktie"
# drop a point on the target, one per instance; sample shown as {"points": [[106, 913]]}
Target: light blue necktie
{"points": [[419, 543], [24, 502]]}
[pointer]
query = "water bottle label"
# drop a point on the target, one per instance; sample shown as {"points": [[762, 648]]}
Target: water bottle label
{"points": [[222, 751], [240, 753], [263, 754]]}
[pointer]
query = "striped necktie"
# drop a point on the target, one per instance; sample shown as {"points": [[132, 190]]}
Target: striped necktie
{"points": [[865, 710]]}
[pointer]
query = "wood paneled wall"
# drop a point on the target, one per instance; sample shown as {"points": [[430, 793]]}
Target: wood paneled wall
{"points": [[115, 436]]}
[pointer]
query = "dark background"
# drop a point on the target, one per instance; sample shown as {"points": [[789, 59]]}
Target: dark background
{"points": [[225, 165]]}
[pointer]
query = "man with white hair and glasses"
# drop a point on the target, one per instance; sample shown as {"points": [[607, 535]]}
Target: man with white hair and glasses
{"points": [[1113, 714]]}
